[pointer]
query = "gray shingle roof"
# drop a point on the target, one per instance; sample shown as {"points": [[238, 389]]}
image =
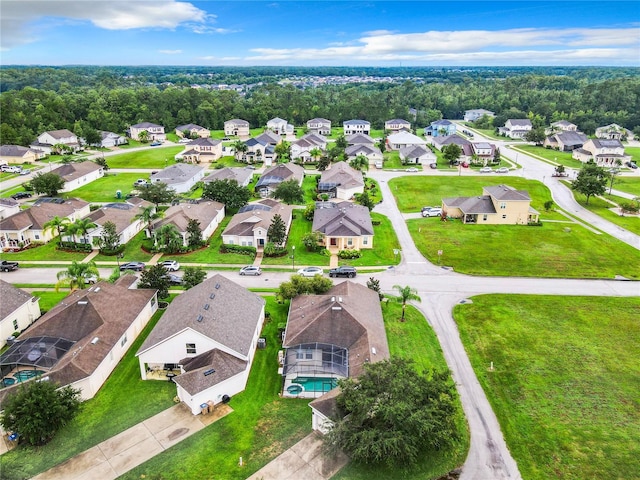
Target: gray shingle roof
{"points": [[231, 173], [13, 151], [120, 214], [204, 142], [356, 122], [347, 219], [72, 171], [146, 125], [471, 205], [243, 223], [64, 133], [505, 192], [360, 138], [179, 215], [178, 173], [189, 126], [343, 175], [224, 366]]}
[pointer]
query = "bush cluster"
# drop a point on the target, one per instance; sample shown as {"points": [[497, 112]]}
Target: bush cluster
{"points": [[241, 249], [76, 247], [349, 254]]}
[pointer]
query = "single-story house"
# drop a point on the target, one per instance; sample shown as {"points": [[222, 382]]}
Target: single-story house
{"points": [[18, 310], [417, 154], [208, 336], [155, 132], [110, 139], [561, 126], [499, 204], [47, 140], [208, 213], [236, 128], [241, 175], [399, 140], [319, 125], [440, 128], [275, 175], [280, 126], [565, 141], [179, 177], [372, 153], [76, 175], [329, 337], [473, 115], [341, 181], [19, 154], [360, 139], [193, 131], [606, 153], [81, 340], [351, 127], [516, 128], [249, 226], [344, 226], [441, 142], [27, 226], [201, 150], [614, 132], [397, 125], [8, 207]]}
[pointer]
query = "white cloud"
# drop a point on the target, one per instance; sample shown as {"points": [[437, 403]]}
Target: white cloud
{"points": [[170, 52], [220, 59]]}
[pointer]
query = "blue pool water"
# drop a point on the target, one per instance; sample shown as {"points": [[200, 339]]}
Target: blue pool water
{"points": [[317, 384], [27, 374]]}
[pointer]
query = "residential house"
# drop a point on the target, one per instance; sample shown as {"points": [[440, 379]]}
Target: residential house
{"points": [[194, 131], [565, 141], [208, 213], [47, 140], [122, 215], [397, 125], [440, 128], [360, 139], [249, 226], [341, 181], [19, 154], [330, 337], [280, 126], [320, 126], [500, 205], [18, 310], [258, 151], [478, 153], [399, 140], [473, 115], [208, 335], [372, 153], [8, 207], [201, 150], [110, 139], [241, 175], [301, 149], [417, 154], [76, 175], [81, 340], [516, 128], [236, 128], [180, 177], [344, 226], [561, 126], [606, 153], [270, 138], [27, 226], [154, 132], [614, 132], [352, 127], [275, 175], [441, 142]]}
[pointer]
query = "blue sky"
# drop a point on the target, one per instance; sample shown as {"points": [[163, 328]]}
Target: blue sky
{"points": [[310, 33]]}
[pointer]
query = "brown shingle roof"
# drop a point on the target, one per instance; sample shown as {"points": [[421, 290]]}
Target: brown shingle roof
{"points": [[505, 192], [40, 213], [342, 174], [11, 298], [121, 214], [194, 379], [244, 223], [71, 171], [179, 215]]}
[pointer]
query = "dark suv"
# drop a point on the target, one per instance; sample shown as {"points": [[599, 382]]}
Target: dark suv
{"points": [[344, 271]]}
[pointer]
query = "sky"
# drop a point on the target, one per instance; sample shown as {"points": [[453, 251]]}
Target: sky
{"points": [[320, 33]]}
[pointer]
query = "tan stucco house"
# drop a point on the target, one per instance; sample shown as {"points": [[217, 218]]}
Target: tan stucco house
{"points": [[19, 154], [201, 150], [605, 153], [236, 128], [250, 225], [193, 131], [321, 126], [156, 132], [344, 226]]}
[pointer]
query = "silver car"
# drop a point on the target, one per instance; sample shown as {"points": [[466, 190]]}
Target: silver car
{"points": [[310, 271], [250, 270]]}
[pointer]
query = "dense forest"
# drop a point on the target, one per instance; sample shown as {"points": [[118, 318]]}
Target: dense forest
{"points": [[36, 99]]}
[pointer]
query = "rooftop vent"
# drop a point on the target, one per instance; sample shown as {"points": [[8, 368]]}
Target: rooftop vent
{"points": [[199, 318], [217, 286], [82, 302], [340, 299], [336, 308], [333, 299], [212, 296], [209, 372], [206, 306], [95, 340], [373, 350]]}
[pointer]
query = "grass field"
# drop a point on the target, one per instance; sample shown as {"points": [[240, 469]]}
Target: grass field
{"points": [[553, 156], [104, 189], [46, 252], [602, 207], [627, 184], [157, 157], [565, 382], [48, 300], [634, 152], [132, 252]]}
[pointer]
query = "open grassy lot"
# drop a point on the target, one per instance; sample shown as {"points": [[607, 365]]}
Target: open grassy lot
{"points": [[565, 382], [414, 339], [549, 155], [156, 157], [46, 252], [104, 189], [524, 251], [627, 184], [602, 207]]}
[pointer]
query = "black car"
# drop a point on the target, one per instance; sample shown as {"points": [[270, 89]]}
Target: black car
{"points": [[343, 271], [631, 165], [21, 195], [137, 266]]}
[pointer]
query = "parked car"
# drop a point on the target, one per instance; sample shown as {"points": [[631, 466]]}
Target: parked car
{"points": [[432, 212], [486, 170], [140, 182], [379, 164], [465, 165], [173, 279], [425, 209], [21, 195], [631, 165], [502, 170], [412, 169], [137, 266], [11, 168], [155, 144], [91, 280], [9, 266], [25, 171], [171, 265], [433, 165], [184, 140], [250, 270], [310, 271], [344, 271]]}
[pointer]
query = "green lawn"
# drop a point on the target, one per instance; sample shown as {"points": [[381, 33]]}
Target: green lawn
{"points": [[524, 251], [229, 161], [627, 184], [550, 155], [309, 189], [48, 299], [601, 207], [414, 339], [46, 252], [157, 157], [565, 382], [104, 189], [132, 144], [634, 152], [132, 252]]}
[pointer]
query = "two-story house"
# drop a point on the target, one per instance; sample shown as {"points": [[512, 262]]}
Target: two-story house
{"points": [[473, 115], [351, 127], [201, 150], [614, 132], [301, 149], [48, 142], [440, 128], [516, 128], [321, 126], [275, 175], [397, 125], [250, 225], [191, 130], [605, 153], [154, 132], [280, 126], [236, 128], [561, 126]]}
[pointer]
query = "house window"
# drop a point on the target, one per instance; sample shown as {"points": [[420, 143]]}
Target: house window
{"points": [[309, 355], [191, 348], [365, 240], [504, 217], [350, 242], [230, 242], [15, 324], [153, 301], [503, 205], [484, 217], [37, 236], [124, 340]]}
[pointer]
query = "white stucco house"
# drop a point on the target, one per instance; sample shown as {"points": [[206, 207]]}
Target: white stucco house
{"points": [[351, 127], [341, 181], [241, 175], [516, 128], [236, 128], [18, 310], [397, 125], [417, 154], [179, 177], [76, 175], [110, 139], [399, 140], [8, 207], [47, 140], [155, 132], [473, 115], [250, 225], [319, 125], [208, 336], [280, 126]]}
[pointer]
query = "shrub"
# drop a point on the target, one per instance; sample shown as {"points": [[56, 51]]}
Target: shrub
{"points": [[241, 249], [76, 247], [271, 250], [111, 252], [375, 222], [349, 254]]}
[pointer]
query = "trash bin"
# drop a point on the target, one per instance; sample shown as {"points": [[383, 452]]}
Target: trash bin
{"points": [[211, 406], [118, 193], [204, 408]]}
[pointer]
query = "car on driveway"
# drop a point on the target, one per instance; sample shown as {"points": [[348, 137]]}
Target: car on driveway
{"points": [[486, 170], [344, 271], [21, 195], [412, 169], [26, 171], [310, 271], [432, 212], [250, 270], [155, 144], [140, 182], [631, 165], [173, 279], [171, 265], [433, 165], [136, 266], [502, 170]]}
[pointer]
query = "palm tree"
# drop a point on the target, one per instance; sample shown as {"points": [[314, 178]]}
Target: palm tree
{"points": [[168, 238], [77, 275], [405, 294], [70, 230], [240, 148], [315, 153], [58, 224], [361, 162], [143, 136], [148, 215], [82, 227]]}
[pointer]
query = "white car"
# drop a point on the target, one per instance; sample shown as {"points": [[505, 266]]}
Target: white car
{"points": [[432, 212], [502, 170], [486, 170], [250, 270], [184, 140], [310, 271], [412, 169], [171, 265]]}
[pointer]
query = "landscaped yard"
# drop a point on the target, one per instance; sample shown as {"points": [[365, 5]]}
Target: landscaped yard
{"points": [[104, 189], [44, 253], [156, 157], [634, 152], [565, 381], [132, 252], [549, 155]]}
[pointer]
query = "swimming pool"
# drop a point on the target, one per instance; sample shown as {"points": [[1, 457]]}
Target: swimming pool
{"points": [[316, 384], [24, 375]]}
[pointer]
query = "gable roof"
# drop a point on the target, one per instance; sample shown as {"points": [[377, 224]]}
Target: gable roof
{"points": [[448, 139], [270, 137], [72, 171], [441, 123], [519, 122], [179, 215], [237, 121], [405, 137], [360, 138], [342, 175], [41, 212], [415, 151], [471, 205], [204, 142], [355, 122], [398, 121], [344, 219], [146, 125], [120, 214], [208, 369], [257, 215], [105, 134], [238, 174], [571, 138], [178, 173], [318, 120], [218, 309], [12, 299], [602, 143], [14, 151], [189, 126], [505, 192], [283, 172], [57, 134], [355, 150]]}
